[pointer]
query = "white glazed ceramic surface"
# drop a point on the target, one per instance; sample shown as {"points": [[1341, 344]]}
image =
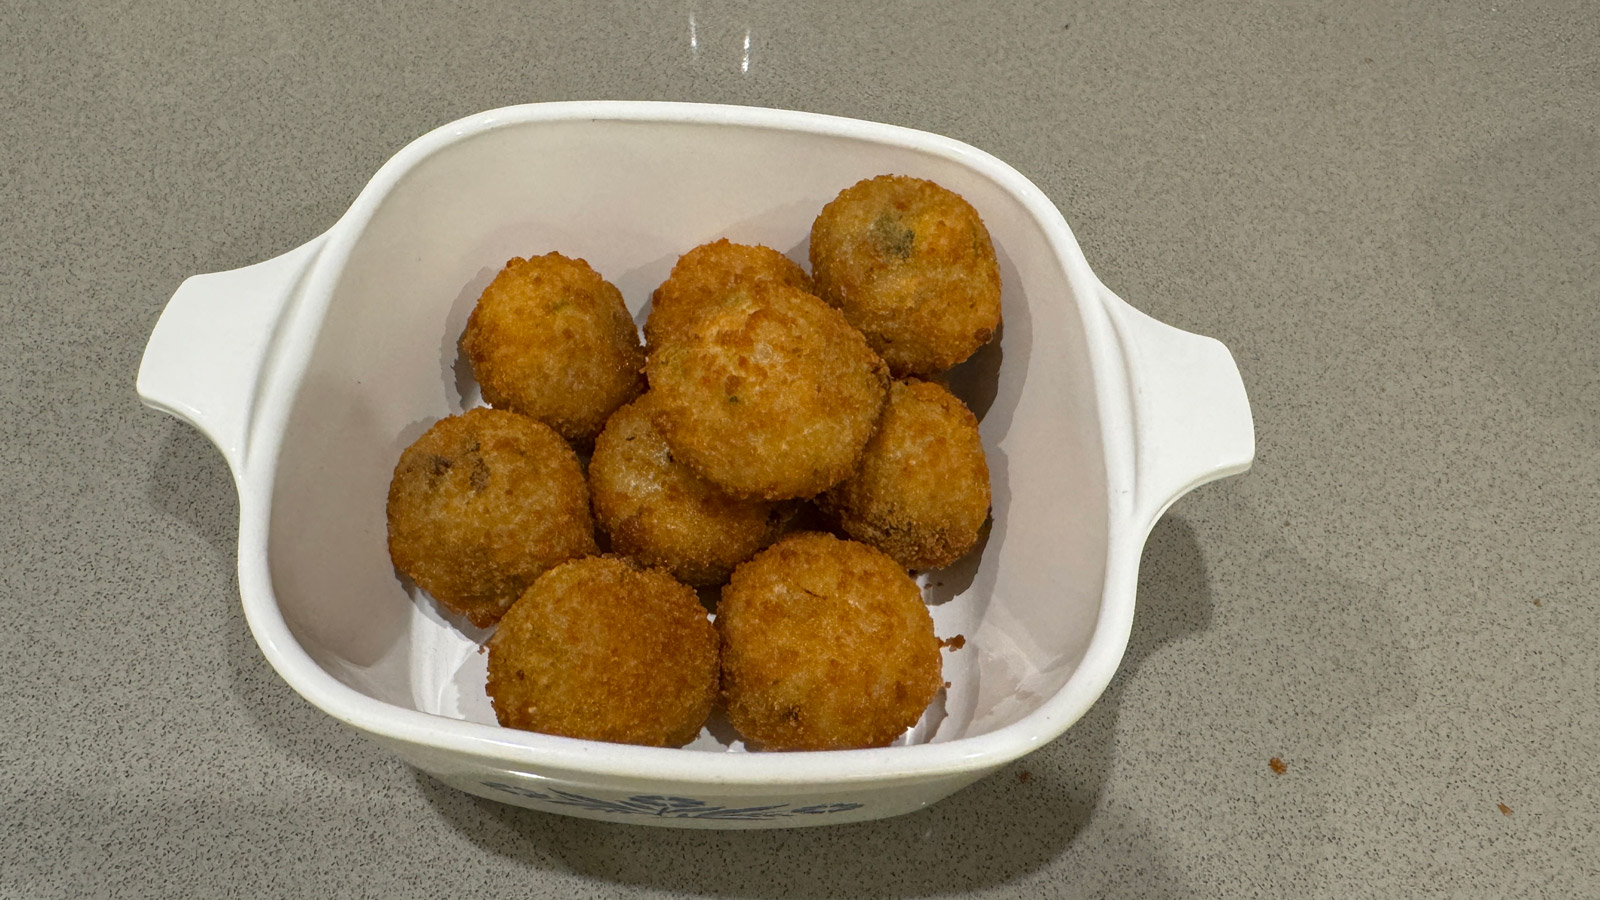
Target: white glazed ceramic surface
{"points": [[312, 371]]}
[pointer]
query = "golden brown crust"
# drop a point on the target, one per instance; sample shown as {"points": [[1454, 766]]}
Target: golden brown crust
{"points": [[658, 512], [826, 646], [551, 339], [921, 490], [600, 650], [773, 397], [912, 266], [706, 277], [483, 503]]}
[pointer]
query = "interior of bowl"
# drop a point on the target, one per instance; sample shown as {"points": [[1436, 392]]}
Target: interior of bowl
{"points": [[630, 196]]}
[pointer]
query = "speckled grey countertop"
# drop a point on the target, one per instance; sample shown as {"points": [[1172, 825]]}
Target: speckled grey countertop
{"points": [[1389, 211]]}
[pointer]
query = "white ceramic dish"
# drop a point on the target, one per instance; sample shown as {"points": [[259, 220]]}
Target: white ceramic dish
{"points": [[313, 370]]}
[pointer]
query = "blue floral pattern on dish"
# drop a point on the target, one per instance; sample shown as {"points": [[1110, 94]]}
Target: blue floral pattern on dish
{"points": [[669, 807]]}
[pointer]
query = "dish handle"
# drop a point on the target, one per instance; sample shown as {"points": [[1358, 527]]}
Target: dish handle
{"points": [[204, 360], [1190, 411]]}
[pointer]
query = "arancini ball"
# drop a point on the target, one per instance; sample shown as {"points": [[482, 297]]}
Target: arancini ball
{"points": [[921, 490], [826, 646], [481, 505], [912, 266], [659, 513], [706, 277], [600, 650], [774, 396], [551, 339]]}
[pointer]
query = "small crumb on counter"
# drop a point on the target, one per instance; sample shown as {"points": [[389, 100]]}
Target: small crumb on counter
{"points": [[1504, 809], [1277, 766], [1537, 602], [955, 643], [1023, 776]]}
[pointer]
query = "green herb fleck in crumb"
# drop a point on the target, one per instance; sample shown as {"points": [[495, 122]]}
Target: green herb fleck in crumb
{"points": [[892, 236]]}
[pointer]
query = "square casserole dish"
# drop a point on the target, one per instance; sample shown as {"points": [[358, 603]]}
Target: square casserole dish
{"points": [[312, 371]]}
